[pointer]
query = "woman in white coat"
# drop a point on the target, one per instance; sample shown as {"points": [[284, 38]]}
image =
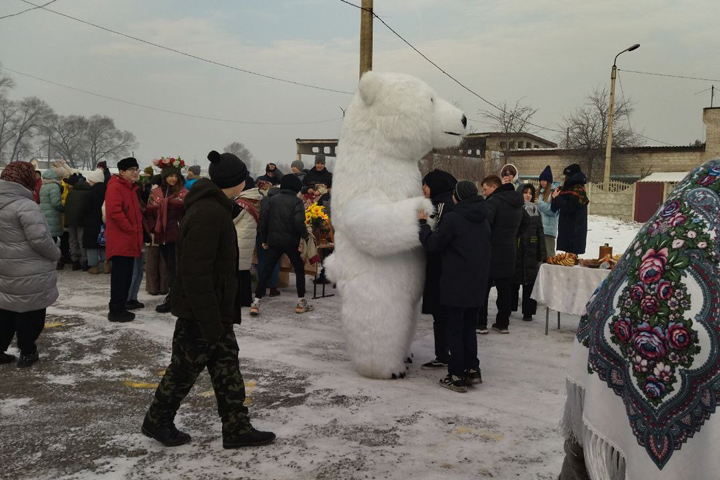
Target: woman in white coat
{"points": [[28, 259], [246, 224]]}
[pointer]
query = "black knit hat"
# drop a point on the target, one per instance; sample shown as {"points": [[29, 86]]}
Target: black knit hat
{"points": [[439, 182], [571, 170], [464, 190], [127, 163], [291, 182], [226, 170]]}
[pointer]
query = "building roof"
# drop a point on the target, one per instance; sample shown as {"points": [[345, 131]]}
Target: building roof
{"points": [[511, 135], [665, 177]]}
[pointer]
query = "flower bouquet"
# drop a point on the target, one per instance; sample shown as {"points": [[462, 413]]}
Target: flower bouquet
{"points": [[317, 219]]}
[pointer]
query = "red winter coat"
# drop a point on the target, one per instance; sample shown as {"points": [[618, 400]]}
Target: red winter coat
{"points": [[123, 220], [36, 192], [164, 213]]}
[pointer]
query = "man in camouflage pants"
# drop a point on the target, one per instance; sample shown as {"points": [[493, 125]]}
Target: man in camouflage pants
{"points": [[204, 300]]}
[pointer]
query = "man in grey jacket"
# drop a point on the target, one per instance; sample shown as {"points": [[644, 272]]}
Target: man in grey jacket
{"points": [[27, 264]]}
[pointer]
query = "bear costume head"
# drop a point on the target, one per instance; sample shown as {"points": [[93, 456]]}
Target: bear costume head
{"points": [[403, 116]]}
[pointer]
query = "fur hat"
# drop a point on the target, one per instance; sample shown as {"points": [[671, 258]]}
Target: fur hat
{"points": [[319, 158], [298, 164], [195, 169], [465, 189], [22, 173], [127, 163], [96, 176], [546, 175], [509, 168], [291, 182], [439, 182], [571, 170], [226, 170]]}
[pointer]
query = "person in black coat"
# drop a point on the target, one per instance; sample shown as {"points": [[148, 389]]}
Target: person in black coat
{"points": [[463, 241], [94, 221], [572, 201], [530, 254], [507, 219], [438, 186], [272, 175], [282, 226], [319, 175]]}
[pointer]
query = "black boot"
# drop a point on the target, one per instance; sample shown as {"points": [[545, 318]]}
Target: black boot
{"points": [[6, 358], [167, 434], [253, 438], [164, 307], [76, 266], [27, 360], [121, 317]]}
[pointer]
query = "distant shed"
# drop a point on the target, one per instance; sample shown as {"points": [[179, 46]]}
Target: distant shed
{"points": [[652, 191]]}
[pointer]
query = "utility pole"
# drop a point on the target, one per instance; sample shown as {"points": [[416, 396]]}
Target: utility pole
{"points": [[712, 96], [366, 36]]}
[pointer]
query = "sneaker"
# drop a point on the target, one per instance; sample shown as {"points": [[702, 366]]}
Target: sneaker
{"points": [[274, 292], [255, 308], [121, 317], [134, 305], [500, 330], [302, 306], [93, 270], [253, 438], [456, 384], [27, 360], [6, 358], [474, 376], [527, 318], [482, 330], [168, 435], [433, 365]]}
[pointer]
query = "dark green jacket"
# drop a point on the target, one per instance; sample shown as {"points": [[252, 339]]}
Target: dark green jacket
{"points": [[206, 281], [76, 205]]}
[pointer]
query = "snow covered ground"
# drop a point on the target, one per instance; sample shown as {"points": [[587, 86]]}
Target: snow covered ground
{"points": [[77, 413]]}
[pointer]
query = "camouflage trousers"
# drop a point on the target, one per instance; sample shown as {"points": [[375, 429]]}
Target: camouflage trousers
{"points": [[190, 355]]}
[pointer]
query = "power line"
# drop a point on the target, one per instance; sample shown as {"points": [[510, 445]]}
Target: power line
{"points": [[671, 76], [440, 68], [158, 109], [27, 10], [189, 55], [622, 91]]}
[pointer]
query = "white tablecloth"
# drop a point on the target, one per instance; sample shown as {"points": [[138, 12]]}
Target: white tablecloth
{"points": [[567, 289]]}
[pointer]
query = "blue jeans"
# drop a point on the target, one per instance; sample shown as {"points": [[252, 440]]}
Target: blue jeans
{"points": [[137, 277], [95, 256], [261, 255]]}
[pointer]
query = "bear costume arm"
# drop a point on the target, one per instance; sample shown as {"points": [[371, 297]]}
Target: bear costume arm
{"points": [[378, 226]]}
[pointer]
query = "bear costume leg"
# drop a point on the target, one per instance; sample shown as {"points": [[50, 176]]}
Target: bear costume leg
{"points": [[379, 327]]}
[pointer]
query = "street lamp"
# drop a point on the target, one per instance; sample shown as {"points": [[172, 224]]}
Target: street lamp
{"points": [[608, 146]]}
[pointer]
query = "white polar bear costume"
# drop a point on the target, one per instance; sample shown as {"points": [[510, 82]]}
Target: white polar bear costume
{"points": [[378, 263]]}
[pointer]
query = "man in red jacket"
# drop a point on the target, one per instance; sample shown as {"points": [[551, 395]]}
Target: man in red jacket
{"points": [[123, 235]]}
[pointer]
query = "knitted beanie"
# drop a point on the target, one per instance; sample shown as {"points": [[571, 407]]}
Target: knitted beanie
{"points": [[464, 190], [547, 174], [127, 163], [96, 176], [72, 179], [226, 170], [195, 169], [439, 182], [298, 164], [291, 182], [319, 158], [22, 173], [571, 170]]}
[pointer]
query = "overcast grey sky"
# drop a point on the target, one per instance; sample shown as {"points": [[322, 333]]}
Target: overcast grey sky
{"points": [[552, 52]]}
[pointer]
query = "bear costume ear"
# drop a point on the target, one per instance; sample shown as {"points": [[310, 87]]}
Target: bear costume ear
{"points": [[370, 85]]}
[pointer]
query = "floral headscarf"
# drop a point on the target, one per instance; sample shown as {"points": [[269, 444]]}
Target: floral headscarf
{"points": [[20, 172]]}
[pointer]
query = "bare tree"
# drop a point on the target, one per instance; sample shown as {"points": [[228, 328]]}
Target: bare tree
{"points": [[8, 110], [105, 141], [243, 153], [510, 120], [587, 129], [68, 138], [29, 119]]}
